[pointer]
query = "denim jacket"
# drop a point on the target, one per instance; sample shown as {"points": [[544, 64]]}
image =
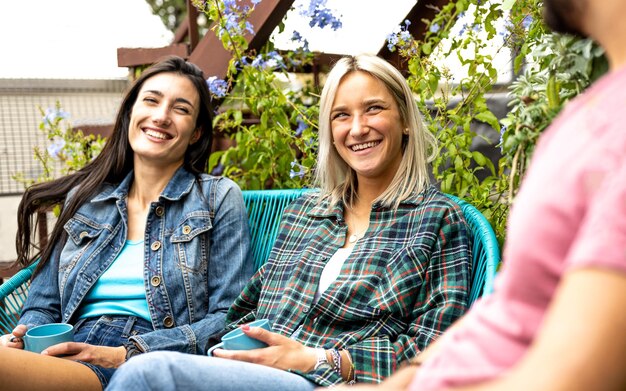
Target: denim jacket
{"points": [[195, 259]]}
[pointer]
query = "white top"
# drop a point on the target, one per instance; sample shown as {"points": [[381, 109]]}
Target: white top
{"points": [[332, 269]]}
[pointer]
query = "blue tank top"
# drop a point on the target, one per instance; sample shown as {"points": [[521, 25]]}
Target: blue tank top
{"points": [[120, 289]]}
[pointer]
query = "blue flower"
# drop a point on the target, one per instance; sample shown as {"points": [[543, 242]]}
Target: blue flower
{"points": [[301, 170], [52, 114], [301, 127], [56, 148], [320, 15], [502, 131], [255, 2], [217, 87], [526, 22], [297, 37], [392, 41], [230, 5], [434, 28], [271, 60]]}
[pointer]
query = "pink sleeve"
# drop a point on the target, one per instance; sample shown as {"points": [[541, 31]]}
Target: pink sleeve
{"points": [[601, 241]]}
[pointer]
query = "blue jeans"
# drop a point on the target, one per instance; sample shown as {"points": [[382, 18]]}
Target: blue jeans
{"points": [[178, 371], [108, 331]]}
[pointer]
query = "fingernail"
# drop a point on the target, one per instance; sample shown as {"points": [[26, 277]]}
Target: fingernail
{"points": [[245, 327], [45, 352]]}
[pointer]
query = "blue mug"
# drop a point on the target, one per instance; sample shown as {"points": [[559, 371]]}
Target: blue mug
{"points": [[237, 340], [39, 338]]}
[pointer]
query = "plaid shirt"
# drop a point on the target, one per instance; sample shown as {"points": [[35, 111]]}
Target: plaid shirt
{"points": [[404, 282]]}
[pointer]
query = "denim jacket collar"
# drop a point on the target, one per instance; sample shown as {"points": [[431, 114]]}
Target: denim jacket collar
{"points": [[179, 186]]}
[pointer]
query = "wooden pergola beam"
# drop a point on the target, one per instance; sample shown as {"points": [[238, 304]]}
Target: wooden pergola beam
{"points": [[423, 9], [210, 54], [133, 57]]}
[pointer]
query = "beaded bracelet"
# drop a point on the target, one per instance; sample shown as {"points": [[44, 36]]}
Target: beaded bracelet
{"points": [[336, 357]]}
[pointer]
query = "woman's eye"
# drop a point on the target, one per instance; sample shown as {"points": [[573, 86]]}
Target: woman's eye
{"points": [[375, 108], [339, 115], [182, 110], [149, 100]]}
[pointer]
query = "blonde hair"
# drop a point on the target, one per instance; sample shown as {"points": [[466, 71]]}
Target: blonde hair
{"points": [[338, 180]]}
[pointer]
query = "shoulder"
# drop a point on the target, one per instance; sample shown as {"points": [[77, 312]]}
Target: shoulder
{"points": [[221, 185], [433, 200], [308, 203]]}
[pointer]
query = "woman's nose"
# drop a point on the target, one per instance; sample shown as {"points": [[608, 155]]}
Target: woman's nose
{"points": [[359, 127], [161, 115]]}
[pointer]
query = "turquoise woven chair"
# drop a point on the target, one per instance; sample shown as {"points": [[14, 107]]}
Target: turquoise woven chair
{"points": [[265, 209]]}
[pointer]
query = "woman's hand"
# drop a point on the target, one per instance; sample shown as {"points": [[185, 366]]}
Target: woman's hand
{"points": [[281, 353], [15, 339], [104, 356]]}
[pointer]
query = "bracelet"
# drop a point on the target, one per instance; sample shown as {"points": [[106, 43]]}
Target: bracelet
{"points": [[351, 373], [321, 358], [336, 357]]}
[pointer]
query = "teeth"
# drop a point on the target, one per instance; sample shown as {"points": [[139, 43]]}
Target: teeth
{"points": [[359, 147], [155, 134]]}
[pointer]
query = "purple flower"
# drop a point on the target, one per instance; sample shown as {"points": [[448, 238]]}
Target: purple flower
{"points": [[217, 87]]}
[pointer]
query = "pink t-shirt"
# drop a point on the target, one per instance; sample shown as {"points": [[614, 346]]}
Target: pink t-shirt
{"points": [[569, 213]]}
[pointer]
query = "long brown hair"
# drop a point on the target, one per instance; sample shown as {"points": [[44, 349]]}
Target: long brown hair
{"points": [[111, 166]]}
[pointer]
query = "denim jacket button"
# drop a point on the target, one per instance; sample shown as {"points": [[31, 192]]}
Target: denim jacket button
{"points": [[160, 211], [155, 281], [83, 234], [168, 321], [155, 245], [186, 229]]}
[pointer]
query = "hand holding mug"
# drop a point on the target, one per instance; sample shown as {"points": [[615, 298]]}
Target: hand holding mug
{"points": [[39, 338], [281, 352], [15, 339]]}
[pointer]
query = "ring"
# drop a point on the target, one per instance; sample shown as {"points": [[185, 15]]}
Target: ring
{"points": [[15, 339]]}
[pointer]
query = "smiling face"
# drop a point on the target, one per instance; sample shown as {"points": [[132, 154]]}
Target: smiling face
{"points": [[163, 121], [367, 127]]}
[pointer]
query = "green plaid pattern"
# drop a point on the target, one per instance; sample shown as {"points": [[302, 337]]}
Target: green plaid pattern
{"points": [[403, 284]]}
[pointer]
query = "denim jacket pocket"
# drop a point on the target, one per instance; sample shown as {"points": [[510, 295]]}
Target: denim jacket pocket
{"points": [[192, 247], [82, 234]]}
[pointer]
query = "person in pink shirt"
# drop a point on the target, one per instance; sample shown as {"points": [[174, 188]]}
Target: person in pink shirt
{"points": [[557, 319]]}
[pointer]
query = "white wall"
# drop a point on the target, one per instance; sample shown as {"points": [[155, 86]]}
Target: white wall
{"points": [[8, 227]]}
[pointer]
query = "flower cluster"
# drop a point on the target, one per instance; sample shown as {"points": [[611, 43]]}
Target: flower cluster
{"points": [[297, 170], [234, 19], [217, 87], [69, 147], [319, 15], [400, 38], [54, 114], [268, 61]]}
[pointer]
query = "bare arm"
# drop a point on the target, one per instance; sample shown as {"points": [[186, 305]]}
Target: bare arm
{"points": [[582, 344]]}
